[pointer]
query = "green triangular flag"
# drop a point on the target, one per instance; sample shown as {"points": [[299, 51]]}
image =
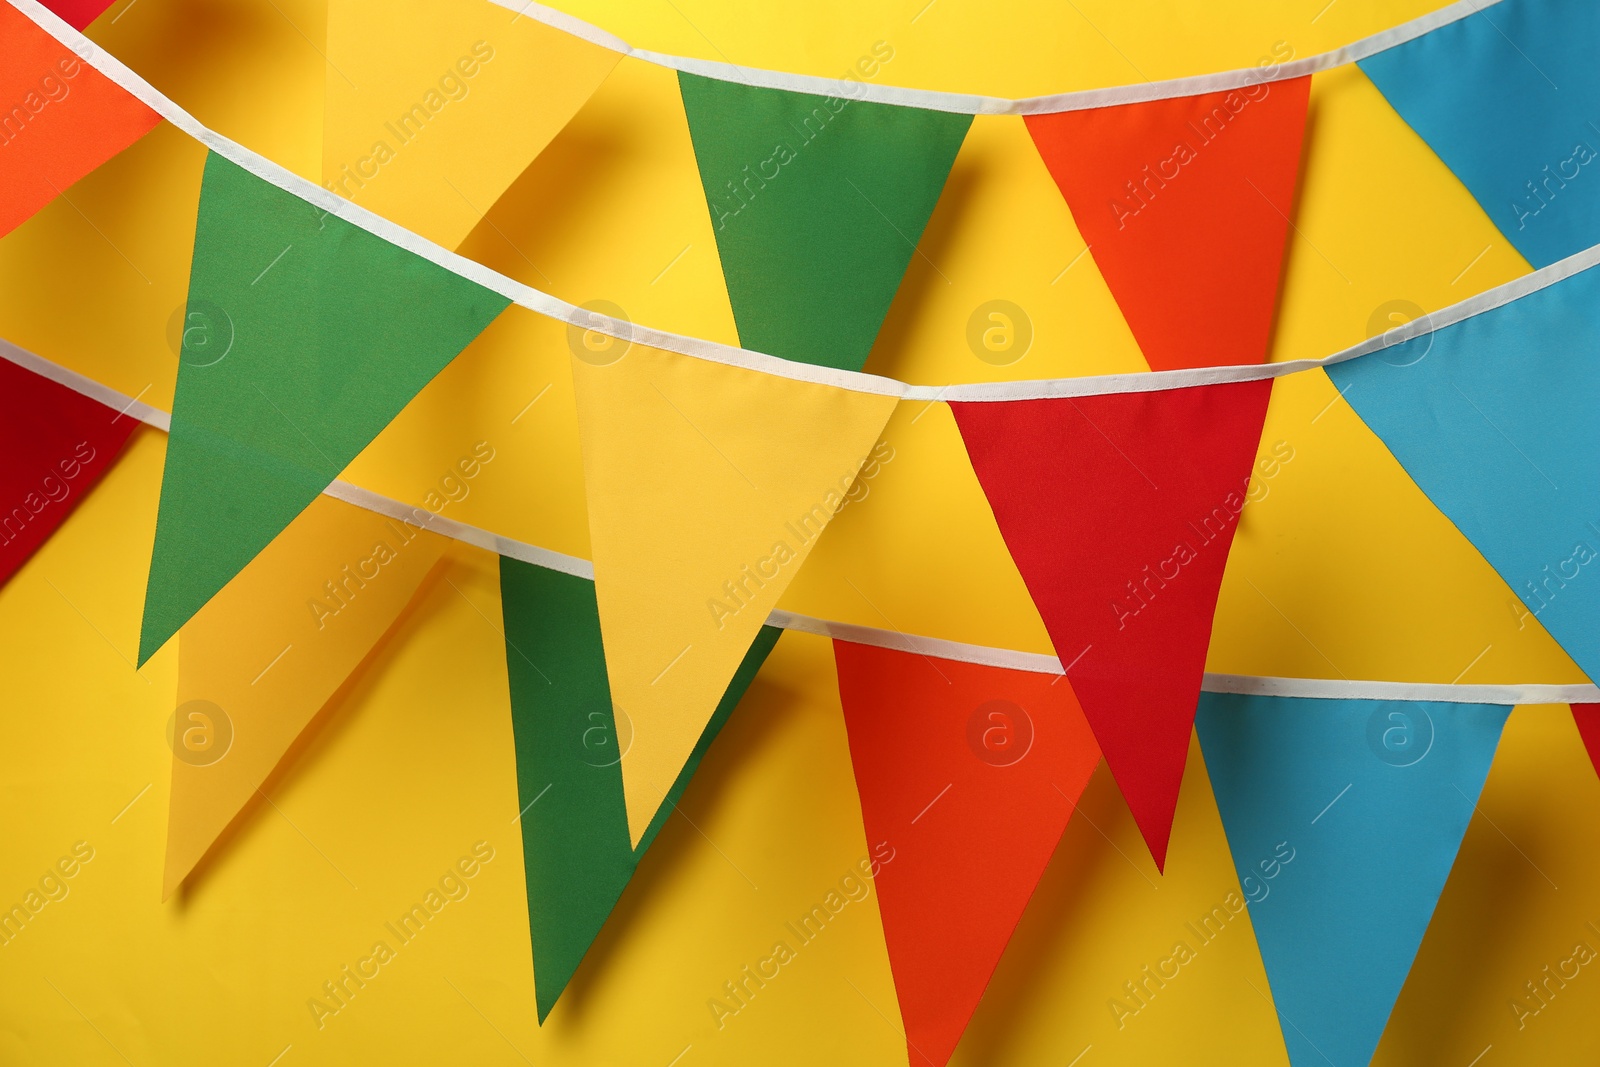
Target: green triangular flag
{"points": [[818, 204], [569, 776], [303, 337]]}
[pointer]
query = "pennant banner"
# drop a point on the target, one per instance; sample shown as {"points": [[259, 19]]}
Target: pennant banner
{"points": [[433, 111], [571, 742], [63, 118], [1494, 418], [1119, 511], [56, 443], [1344, 818], [1185, 205], [305, 336], [818, 204], [947, 115], [1510, 100], [971, 774], [710, 479], [707, 487], [265, 655]]}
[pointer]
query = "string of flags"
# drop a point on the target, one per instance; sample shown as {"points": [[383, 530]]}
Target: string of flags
{"points": [[571, 733], [822, 208], [404, 520], [714, 470]]}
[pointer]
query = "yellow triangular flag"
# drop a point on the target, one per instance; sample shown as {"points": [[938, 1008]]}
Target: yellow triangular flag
{"points": [[707, 487], [434, 107], [258, 662]]}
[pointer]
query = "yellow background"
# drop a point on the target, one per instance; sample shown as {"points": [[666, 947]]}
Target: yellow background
{"points": [[1342, 569]]}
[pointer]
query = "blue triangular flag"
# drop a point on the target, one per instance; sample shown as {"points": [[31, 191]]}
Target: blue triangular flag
{"points": [[1509, 98], [1344, 818], [1495, 419]]}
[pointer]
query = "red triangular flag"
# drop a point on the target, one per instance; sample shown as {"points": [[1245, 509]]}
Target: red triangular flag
{"points": [[63, 118], [78, 13], [969, 774], [1119, 511], [1587, 716], [1185, 205], [56, 444]]}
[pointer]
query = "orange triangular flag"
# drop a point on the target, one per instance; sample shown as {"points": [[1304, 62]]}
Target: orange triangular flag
{"points": [[63, 118], [967, 776], [1185, 205]]}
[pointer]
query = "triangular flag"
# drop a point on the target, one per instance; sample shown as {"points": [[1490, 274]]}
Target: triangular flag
{"points": [[1508, 98], [1494, 419], [818, 204], [262, 658], [56, 443], [1119, 511], [308, 336], [63, 118], [707, 485], [971, 773], [78, 13], [1185, 206], [1344, 818], [1587, 716], [435, 152], [569, 745]]}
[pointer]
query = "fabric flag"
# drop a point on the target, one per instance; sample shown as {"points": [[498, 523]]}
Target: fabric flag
{"points": [[306, 336], [1119, 511], [78, 13], [1494, 418], [970, 773], [1509, 99], [707, 485], [1344, 818], [434, 152], [1185, 206], [267, 653], [63, 118], [1587, 716], [569, 743], [57, 443], [818, 204]]}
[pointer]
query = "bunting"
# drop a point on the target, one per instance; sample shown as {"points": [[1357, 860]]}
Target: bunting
{"points": [[1493, 418], [970, 773], [56, 443], [707, 486], [818, 204], [570, 742], [1119, 511], [1509, 100], [309, 336], [1184, 204], [1344, 818], [709, 478], [433, 111], [268, 652], [59, 118]]}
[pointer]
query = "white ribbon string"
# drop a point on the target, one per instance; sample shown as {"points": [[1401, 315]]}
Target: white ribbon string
{"points": [[968, 104], [553, 307]]}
